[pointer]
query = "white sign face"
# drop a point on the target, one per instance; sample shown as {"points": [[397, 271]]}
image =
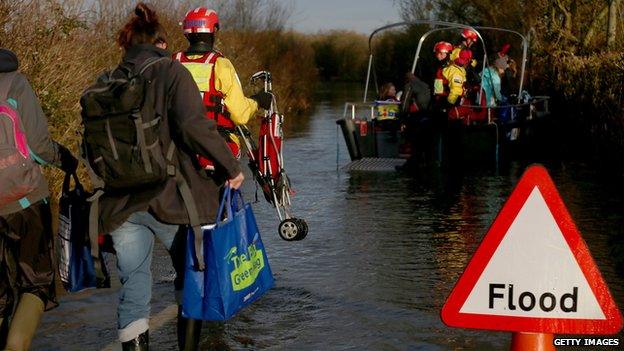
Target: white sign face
{"points": [[533, 272]]}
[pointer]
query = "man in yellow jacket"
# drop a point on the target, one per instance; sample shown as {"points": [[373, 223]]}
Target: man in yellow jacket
{"points": [[225, 103], [455, 74], [217, 80]]}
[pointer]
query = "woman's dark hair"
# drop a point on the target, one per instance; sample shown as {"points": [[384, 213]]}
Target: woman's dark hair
{"points": [[142, 28]]}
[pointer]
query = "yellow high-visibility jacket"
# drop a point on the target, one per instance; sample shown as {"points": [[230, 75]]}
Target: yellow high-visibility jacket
{"points": [[456, 77], [227, 82]]}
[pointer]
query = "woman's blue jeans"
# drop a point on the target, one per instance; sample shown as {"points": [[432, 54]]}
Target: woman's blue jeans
{"points": [[134, 243]]}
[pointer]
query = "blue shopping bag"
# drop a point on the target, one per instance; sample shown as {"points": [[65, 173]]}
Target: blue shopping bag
{"points": [[237, 270]]}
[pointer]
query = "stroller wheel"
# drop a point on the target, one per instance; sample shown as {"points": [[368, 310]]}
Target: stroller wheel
{"points": [[303, 229], [289, 229]]}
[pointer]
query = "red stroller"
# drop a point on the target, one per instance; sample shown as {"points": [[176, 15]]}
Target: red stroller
{"points": [[266, 162]]}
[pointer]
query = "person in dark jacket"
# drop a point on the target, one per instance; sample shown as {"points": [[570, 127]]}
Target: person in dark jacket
{"points": [[416, 117], [509, 84], [416, 96], [26, 263], [134, 219]]}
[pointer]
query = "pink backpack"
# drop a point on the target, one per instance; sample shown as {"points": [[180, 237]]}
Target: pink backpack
{"points": [[19, 174]]}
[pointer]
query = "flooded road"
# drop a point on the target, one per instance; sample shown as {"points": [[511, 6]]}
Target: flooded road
{"points": [[383, 253]]}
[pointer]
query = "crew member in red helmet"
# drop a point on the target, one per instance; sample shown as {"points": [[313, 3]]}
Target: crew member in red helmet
{"points": [[441, 50], [468, 38], [217, 80], [455, 75], [225, 103]]}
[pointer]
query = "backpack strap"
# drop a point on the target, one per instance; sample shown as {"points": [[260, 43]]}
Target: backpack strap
{"points": [[94, 213], [138, 119], [6, 83], [191, 208], [98, 261]]}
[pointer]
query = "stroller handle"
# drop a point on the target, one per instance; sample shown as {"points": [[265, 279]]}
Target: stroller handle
{"points": [[261, 75]]}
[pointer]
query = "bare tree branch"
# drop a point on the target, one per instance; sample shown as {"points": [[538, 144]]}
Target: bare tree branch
{"points": [[596, 23]]}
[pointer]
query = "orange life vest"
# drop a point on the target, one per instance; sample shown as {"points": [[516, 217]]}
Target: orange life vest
{"points": [[202, 69]]}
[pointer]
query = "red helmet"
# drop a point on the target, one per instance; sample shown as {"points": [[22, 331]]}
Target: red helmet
{"points": [[465, 55], [200, 20], [443, 46], [469, 34]]}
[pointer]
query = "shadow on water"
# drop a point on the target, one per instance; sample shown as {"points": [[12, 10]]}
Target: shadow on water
{"points": [[383, 253]]}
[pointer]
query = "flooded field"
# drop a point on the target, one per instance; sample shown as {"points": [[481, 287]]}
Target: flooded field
{"points": [[383, 253]]}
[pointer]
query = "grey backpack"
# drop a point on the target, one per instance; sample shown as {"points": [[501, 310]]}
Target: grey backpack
{"points": [[19, 174]]}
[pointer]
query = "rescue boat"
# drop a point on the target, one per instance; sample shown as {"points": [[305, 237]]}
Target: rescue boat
{"points": [[376, 142]]}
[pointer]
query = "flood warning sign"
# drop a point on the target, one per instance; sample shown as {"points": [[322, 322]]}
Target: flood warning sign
{"points": [[533, 272]]}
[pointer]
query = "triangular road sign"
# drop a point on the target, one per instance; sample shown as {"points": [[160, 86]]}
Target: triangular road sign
{"points": [[533, 271]]}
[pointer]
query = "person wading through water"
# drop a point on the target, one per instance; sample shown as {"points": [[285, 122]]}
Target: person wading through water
{"points": [[26, 241], [176, 111], [226, 104]]}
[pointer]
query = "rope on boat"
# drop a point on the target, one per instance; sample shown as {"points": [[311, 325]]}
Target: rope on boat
{"points": [[337, 147]]}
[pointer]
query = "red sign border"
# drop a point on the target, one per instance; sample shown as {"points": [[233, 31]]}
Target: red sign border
{"points": [[535, 175]]}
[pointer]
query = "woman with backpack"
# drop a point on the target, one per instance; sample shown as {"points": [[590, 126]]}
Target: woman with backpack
{"points": [[26, 241], [174, 115]]}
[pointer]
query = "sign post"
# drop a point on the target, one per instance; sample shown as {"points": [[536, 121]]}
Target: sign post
{"points": [[533, 274], [532, 342]]}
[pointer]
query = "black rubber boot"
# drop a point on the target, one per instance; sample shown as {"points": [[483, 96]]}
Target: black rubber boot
{"points": [[140, 343], [189, 331]]}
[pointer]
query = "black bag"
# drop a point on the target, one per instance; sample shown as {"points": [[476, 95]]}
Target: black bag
{"points": [[121, 130], [78, 269]]}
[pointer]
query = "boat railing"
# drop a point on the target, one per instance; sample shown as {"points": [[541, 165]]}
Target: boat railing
{"points": [[537, 106], [351, 109]]}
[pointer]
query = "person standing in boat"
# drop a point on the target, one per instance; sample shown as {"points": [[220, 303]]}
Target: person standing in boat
{"points": [[468, 38], [416, 95], [441, 50], [491, 81], [416, 121], [508, 79], [455, 74]]}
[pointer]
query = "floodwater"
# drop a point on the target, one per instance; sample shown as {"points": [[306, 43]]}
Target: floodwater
{"points": [[383, 253]]}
